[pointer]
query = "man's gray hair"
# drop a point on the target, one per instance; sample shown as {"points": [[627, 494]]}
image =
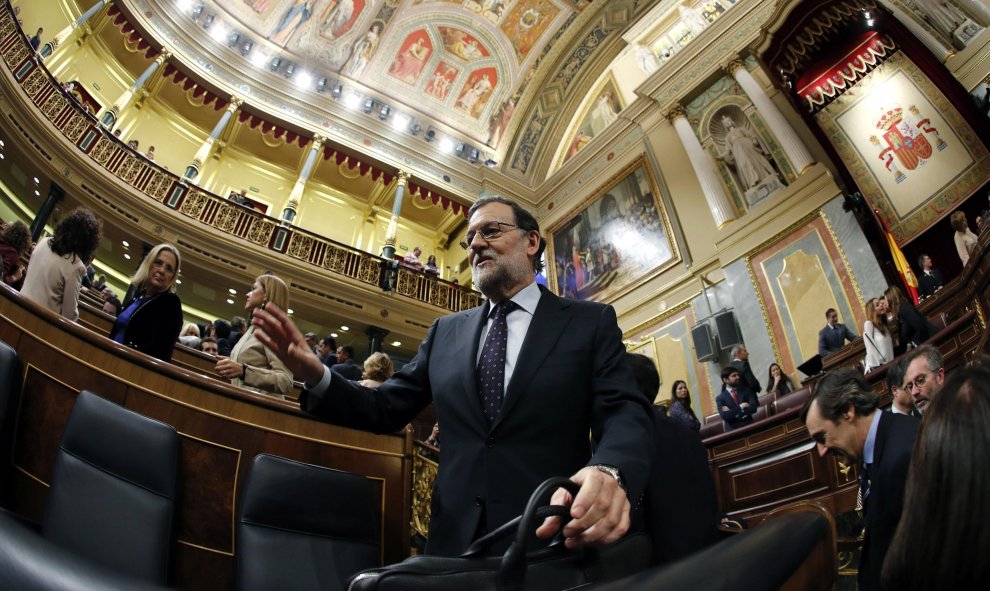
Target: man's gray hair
{"points": [[737, 349], [933, 357]]}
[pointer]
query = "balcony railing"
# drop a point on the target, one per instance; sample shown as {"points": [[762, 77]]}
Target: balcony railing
{"points": [[151, 181]]}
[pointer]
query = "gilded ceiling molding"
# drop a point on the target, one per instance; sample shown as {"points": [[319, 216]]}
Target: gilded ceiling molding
{"points": [[676, 113], [733, 65]]}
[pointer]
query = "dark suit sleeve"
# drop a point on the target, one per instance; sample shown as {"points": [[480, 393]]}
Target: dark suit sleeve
{"points": [[822, 345], [621, 417], [914, 326], [385, 409], [754, 403], [850, 335]]}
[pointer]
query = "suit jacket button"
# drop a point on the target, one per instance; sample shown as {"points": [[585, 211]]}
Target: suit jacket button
{"points": [[490, 442], [478, 501]]}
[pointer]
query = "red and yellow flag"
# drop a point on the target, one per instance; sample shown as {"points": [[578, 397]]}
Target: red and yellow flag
{"points": [[903, 268]]}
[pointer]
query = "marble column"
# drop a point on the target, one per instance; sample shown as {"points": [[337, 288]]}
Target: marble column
{"points": [[795, 149], [376, 339], [388, 251], [110, 116], [704, 169], [192, 171], [48, 48], [55, 196], [292, 204]]}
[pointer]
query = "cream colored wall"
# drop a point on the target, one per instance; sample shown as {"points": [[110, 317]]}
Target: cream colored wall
{"points": [[236, 169], [151, 125], [83, 64], [52, 15]]}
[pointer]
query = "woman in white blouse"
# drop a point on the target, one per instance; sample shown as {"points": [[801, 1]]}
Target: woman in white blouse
{"points": [[964, 238], [876, 335]]}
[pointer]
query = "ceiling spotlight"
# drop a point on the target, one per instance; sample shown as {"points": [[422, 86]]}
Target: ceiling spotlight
{"points": [[230, 301], [233, 39], [337, 90], [247, 47], [396, 343], [290, 69], [196, 12], [259, 59], [184, 5], [351, 100], [415, 128], [304, 80], [384, 111], [125, 243], [368, 105], [291, 311], [321, 84], [219, 32], [473, 156], [345, 328], [232, 291], [36, 181], [276, 62], [127, 256], [400, 121], [459, 148], [334, 335], [446, 145], [208, 21], [429, 135], [491, 163]]}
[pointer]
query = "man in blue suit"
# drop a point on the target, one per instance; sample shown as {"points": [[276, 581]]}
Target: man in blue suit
{"points": [[558, 375], [736, 402], [834, 336]]}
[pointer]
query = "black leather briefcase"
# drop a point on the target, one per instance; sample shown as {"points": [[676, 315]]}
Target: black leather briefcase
{"points": [[554, 568]]}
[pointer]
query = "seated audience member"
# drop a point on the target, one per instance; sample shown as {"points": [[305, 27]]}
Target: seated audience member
{"points": [[736, 403], [112, 305], [327, 351], [237, 327], [58, 264], [903, 402], [924, 375], [431, 265], [412, 259], [843, 420], [914, 328], [346, 365], [311, 341], [106, 293], [152, 320], [377, 368], [778, 382], [189, 335], [680, 406], [15, 242], [964, 238], [251, 363], [208, 346], [434, 438], [930, 279], [876, 336], [221, 332], [150, 154], [133, 144], [740, 361], [100, 283], [942, 541], [834, 335], [36, 40]]}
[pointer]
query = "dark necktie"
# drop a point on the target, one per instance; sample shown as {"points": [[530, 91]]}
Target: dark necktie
{"points": [[491, 366], [864, 482], [735, 397]]}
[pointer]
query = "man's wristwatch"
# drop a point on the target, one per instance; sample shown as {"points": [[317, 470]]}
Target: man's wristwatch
{"points": [[613, 472]]}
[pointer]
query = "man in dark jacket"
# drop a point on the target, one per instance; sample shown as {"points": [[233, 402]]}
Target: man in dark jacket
{"points": [[930, 279], [345, 365], [740, 361]]}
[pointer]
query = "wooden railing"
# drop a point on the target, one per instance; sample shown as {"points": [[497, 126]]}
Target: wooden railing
{"points": [[150, 181], [222, 428]]}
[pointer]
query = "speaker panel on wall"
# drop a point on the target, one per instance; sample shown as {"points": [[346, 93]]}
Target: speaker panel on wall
{"points": [[728, 332], [704, 344]]}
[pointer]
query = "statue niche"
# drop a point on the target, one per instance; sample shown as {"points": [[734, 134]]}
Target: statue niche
{"points": [[739, 147]]}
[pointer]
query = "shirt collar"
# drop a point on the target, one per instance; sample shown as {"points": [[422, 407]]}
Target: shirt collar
{"points": [[871, 438], [526, 298]]}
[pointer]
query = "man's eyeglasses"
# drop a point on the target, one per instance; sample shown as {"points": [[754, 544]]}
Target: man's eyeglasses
{"points": [[488, 232], [918, 382]]}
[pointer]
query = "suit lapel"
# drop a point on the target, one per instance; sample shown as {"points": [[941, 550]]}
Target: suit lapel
{"points": [[549, 321], [468, 337]]}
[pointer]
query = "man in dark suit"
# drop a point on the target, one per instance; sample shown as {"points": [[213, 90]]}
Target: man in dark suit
{"points": [[736, 402], [930, 279], [740, 361], [346, 366], [843, 419], [518, 384], [835, 334]]}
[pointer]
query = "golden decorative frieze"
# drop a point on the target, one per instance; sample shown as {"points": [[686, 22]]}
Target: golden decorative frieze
{"points": [[369, 271], [261, 231], [300, 247], [424, 475], [16, 54], [158, 186], [104, 149], [194, 204], [226, 218], [335, 260], [78, 124], [439, 294]]}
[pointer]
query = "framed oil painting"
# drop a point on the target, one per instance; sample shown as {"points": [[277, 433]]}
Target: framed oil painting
{"points": [[617, 239]]}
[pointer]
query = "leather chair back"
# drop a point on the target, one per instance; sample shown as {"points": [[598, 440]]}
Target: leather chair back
{"points": [[795, 399], [113, 489], [304, 527], [10, 394], [711, 429]]}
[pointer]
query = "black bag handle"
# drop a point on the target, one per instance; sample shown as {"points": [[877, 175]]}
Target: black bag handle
{"points": [[508, 528], [513, 570]]}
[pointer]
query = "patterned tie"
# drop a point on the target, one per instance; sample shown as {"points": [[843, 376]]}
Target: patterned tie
{"points": [[864, 487], [491, 366]]}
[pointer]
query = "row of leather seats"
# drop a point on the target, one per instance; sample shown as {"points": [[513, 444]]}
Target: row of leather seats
{"points": [[109, 514], [768, 407]]}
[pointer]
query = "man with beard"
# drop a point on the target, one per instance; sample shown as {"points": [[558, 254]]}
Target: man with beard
{"points": [[518, 384], [843, 420]]}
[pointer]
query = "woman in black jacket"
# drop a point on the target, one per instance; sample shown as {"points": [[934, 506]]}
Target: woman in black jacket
{"points": [[151, 321], [914, 329]]}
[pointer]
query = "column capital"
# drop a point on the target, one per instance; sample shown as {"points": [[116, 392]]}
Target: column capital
{"points": [[318, 141], [676, 112], [164, 56], [402, 178], [234, 104], [734, 65]]}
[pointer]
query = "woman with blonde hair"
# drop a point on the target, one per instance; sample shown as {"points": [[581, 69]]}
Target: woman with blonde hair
{"points": [[151, 320], [251, 363], [876, 336], [190, 335], [377, 369], [964, 238]]}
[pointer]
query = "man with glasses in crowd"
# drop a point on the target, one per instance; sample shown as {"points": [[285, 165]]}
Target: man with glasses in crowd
{"points": [[844, 421], [518, 384], [924, 376]]}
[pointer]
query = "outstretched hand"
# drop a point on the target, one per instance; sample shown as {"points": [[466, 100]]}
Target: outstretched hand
{"points": [[599, 512], [276, 331]]}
